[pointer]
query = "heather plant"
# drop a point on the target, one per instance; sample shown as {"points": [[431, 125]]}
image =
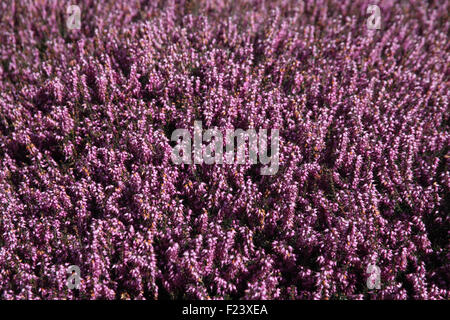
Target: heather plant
{"points": [[88, 107]]}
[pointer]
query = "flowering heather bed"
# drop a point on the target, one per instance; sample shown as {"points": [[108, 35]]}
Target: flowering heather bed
{"points": [[86, 176]]}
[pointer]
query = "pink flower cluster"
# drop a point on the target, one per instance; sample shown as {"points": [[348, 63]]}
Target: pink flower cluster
{"points": [[86, 176]]}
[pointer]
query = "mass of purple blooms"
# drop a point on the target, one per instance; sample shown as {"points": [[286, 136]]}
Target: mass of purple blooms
{"points": [[86, 176]]}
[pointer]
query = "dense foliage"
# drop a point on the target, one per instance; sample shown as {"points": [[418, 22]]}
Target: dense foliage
{"points": [[86, 176]]}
